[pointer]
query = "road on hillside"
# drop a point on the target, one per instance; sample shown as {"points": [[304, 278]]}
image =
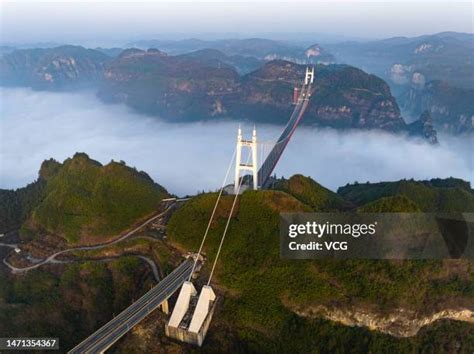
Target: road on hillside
{"points": [[52, 258]]}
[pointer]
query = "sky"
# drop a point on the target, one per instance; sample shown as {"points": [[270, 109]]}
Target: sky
{"points": [[116, 22], [192, 157]]}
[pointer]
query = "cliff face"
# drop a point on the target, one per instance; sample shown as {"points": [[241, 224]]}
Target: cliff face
{"points": [[443, 56], [315, 54], [180, 88], [398, 323], [452, 108], [431, 73], [209, 84], [57, 68], [424, 127]]}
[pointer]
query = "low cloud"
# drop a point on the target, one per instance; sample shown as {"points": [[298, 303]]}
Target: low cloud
{"points": [[186, 158]]}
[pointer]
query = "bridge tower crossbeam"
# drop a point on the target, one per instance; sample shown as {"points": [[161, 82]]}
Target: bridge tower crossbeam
{"points": [[253, 165]]}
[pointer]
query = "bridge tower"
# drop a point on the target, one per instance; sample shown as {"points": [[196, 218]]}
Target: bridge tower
{"points": [[253, 165], [309, 76]]}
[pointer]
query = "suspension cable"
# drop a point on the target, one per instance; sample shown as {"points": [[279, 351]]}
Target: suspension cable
{"points": [[301, 103], [227, 225], [212, 215]]}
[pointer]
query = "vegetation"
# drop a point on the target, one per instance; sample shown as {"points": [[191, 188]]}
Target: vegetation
{"points": [[70, 305], [262, 291], [17, 204], [83, 199], [187, 88], [312, 193], [396, 204], [450, 195]]}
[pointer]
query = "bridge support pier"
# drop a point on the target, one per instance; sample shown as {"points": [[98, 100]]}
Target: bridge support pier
{"points": [[164, 307]]}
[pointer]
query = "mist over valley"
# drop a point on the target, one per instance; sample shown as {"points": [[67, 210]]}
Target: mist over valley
{"points": [[191, 157]]}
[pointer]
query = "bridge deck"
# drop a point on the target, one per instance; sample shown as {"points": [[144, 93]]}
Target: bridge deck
{"points": [[112, 331], [272, 159]]}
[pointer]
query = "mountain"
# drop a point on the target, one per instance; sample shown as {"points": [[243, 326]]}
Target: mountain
{"points": [[111, 52], [267, 304], [209, 84], [272, 304], [5, 49], [214, 57], [452, 108], [430, 72], [424, 126], [63, 67], [182, 88], [82, 200], [436, 195], [174, 87], [312, 194], [259, 48], [444, 56], [17, 204], [70, 300]]}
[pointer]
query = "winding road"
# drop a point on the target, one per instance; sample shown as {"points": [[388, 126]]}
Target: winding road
{"points": [[10, 245], [52, 258]]}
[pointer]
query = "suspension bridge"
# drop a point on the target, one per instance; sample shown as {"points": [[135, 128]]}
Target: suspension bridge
{"points": [[192, 313]]}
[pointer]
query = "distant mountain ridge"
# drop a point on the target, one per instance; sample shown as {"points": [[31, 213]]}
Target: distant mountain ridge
{"points": [[183, 89], [259, 48], [207, 85], [451, 107], [444, 56], [64, 67], [430, 72]]}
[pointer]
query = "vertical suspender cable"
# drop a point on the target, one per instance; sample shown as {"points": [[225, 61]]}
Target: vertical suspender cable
{"points": [[227, 225], [212, 215]]}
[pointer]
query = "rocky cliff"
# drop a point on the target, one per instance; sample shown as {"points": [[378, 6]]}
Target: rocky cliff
{"points": [[56, 68], [209, 84], [430, 72], [398, 323], [181, 88], [424, 127], [452, 108]]}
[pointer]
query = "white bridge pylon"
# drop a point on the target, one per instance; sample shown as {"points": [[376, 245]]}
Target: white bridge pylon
{"points": [[182, 304], [193, 313], [252, 166], [309, 76]]}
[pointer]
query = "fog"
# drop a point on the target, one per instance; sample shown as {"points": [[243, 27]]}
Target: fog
{"points": [[186, 158]]}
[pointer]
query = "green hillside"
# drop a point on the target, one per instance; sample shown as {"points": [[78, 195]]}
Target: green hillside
{"points": [[17, 204], [83, 200], [264, 295], [396, 204], [70, 305], [449, 195], [263, 291], [312, 193]]}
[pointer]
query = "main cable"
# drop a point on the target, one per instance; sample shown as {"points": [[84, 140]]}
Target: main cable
{"points": [[212, 215]]}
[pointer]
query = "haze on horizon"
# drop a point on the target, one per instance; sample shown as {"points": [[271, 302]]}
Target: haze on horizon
{"points": [[110, 23]]}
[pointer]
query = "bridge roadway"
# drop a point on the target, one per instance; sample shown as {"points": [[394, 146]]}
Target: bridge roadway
{"points": [[112, 331], [274, 156]]}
